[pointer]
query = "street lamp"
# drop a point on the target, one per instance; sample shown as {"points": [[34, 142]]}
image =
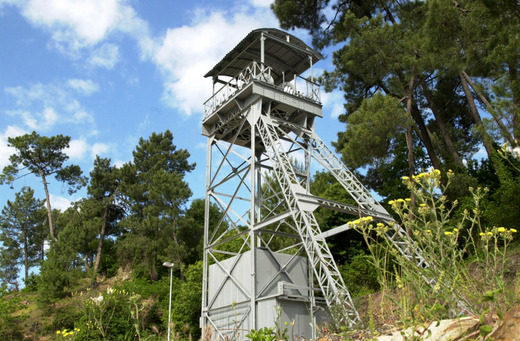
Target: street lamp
{"points": [[169, 265]]}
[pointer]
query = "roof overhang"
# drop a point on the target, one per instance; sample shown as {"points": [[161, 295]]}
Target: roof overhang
{"points": [[283, 52]]}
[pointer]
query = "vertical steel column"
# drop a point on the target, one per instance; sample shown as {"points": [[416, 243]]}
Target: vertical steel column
{"points": [[252, 222], [205, 269]]}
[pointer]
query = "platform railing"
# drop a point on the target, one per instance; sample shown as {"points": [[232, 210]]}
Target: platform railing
{"points": [[257, 71]]}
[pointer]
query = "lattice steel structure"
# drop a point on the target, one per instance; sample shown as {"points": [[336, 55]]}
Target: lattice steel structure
{"points": [[266, 248]]}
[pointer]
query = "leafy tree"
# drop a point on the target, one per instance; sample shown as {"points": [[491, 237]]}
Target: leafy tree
{"points": [[373, 129], [191, 231], [407, 50], [103, 190], [44, 157], [61, 268], [186, 302], [21, 234], [154, 189]]}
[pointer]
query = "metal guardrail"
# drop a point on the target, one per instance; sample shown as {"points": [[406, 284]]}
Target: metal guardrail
{"points": [[299, 86]]}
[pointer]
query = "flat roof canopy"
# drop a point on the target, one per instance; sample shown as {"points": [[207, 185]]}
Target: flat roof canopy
{"points": [[282, 51]]}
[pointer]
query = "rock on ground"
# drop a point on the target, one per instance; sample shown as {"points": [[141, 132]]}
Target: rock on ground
{"points": [[445, 330], [509, 330]]}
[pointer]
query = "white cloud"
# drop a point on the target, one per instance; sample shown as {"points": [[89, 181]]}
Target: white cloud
{"points": [[186, 53], [77, 149], [59, 203], [80, 148], [85, 87], [99, 149], [50, 117], [106, 56], [79, 25], [5, 151], [119, 163], [27, 118], [333, 103], [261, 3]]}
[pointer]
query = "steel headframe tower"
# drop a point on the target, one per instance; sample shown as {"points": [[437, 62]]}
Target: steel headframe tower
{"points": [[262, 244]]}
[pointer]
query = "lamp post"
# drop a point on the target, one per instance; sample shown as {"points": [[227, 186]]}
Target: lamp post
{"points": [[169, 265]]}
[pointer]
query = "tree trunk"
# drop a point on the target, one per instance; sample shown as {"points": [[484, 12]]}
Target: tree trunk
{"points": [[515, 89], [87, 265], [178, 254], [442, 127], [100, 243], [153, 272], [409, 136], [49, 209], [491, 110], [486, 139], [424, 135], [26, 255]]}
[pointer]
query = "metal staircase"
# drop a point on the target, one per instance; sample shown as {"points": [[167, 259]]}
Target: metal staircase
{"points": [[320, 257]]}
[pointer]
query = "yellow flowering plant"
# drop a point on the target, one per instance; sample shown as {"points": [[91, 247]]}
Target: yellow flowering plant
{"points": [[463, 259]]}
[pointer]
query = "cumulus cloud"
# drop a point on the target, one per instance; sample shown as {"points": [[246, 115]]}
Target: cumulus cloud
{"points": [[99, 149], [77, 149], [186, 53], [79, 26], [333, 103], [59, 203], [81, 148]]}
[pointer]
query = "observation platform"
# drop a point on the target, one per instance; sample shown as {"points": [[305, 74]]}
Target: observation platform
{"points": [[267, 64]]}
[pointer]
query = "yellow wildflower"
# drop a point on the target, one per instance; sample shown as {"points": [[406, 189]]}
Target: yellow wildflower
{"points": [[455, 230], [501, 229], [422, 205], [391, 202], [405, 178], [481, 233], [489, 233], [448, 233], [513, 230]]}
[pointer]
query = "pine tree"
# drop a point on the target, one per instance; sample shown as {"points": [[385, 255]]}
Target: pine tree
{"points": [[153, 186], [44, 157], [21, 234]]}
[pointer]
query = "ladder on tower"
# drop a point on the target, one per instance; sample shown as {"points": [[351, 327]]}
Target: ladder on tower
{"points": [[325, 269]]}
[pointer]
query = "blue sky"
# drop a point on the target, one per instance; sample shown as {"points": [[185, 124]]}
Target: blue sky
{"points": [[107, 72]]}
